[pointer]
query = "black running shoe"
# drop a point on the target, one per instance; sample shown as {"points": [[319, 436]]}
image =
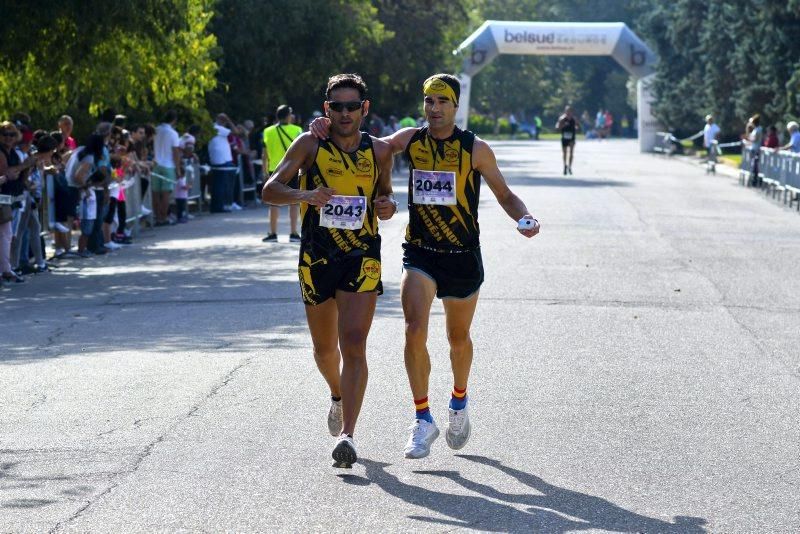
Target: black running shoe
{"points": [[271, 238]]}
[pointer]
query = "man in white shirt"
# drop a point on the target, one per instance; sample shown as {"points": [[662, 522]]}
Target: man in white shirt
{"points": [[167, 152], [710, 132], [711, 136], [794, 137], [223, 171]]}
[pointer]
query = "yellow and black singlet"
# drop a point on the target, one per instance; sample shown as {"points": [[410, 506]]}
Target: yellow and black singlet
{"points": [[350, 174], [447, 228]]}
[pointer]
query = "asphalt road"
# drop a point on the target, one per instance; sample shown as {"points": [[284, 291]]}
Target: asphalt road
{"points": [[636, 370]]}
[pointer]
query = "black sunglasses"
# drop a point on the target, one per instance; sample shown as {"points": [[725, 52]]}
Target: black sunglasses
{"points": [[349, 106]]}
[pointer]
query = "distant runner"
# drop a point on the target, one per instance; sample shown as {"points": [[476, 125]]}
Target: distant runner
{"points": [[568, 127]]}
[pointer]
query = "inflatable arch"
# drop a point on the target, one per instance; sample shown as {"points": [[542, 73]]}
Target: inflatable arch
{"points": [[562, 39]]}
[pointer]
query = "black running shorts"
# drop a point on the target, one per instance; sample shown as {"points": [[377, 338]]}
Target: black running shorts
{"points": [[457, 275], [320, 277]]}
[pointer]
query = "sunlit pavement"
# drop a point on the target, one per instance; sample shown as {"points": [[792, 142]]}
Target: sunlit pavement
{"points": [[636, 369]]}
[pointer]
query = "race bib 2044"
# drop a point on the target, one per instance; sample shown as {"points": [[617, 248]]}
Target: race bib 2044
{"points": [[343, 212], [434, 187]]}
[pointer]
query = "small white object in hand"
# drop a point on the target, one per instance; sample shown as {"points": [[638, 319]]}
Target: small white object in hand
{"points": [[526, 224]]}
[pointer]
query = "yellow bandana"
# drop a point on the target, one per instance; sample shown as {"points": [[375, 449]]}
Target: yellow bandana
{"points": [[437, 86]]}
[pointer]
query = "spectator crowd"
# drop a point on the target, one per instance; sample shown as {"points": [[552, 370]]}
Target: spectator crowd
{"points": [[61, 199]]}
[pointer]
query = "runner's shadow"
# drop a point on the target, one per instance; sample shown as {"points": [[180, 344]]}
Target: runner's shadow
{"points": [[466, 511], [597, 512], [551, 509]]}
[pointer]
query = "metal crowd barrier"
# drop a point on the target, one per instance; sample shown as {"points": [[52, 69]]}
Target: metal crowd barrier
{"points": [[665, 143], [195, 198], [778, 172], [133, 203], [247, 178]]}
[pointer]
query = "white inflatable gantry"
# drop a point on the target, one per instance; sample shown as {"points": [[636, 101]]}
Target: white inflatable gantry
{"points": [[613, 39]]}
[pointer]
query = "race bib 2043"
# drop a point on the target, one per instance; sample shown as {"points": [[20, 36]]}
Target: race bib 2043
{"points": [[434, 187], [343, 212]]}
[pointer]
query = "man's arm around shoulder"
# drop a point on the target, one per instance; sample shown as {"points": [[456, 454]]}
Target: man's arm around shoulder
{"points": [[399, 140], [385, 205]]}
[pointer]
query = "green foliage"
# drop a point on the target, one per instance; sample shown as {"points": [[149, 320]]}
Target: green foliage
{"points": [[481, 124], [149, 56], [423, 36], [284, 52], [732, 59], [245, 57]]}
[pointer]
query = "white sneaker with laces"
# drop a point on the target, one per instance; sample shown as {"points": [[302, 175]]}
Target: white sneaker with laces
{"points": [[236, 207], [458, 428], [344, 454], [111, 245], [335, 418], [423, 434]]}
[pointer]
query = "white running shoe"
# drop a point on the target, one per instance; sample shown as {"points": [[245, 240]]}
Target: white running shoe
{"points": [[344, 454], [423, 434], [458, 428], [112, 246], [335, 418], [146, 212], [236, 207]]}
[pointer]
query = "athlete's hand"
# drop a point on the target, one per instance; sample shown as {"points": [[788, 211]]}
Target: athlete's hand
{"points": [[320, 127], [319, 196], [384, 207], [530, 232]]}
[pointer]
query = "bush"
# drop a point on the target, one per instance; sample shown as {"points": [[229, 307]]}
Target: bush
{"points": [[505, 126], [480, 124], [484, 124]]}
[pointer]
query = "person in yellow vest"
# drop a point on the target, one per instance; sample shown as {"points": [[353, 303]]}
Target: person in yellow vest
{"points": [[441, 253], [344, 188], [277, 139]]}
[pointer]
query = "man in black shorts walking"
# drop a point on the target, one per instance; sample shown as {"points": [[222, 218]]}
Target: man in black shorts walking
{"points": [[345, 187], [568, 127]]}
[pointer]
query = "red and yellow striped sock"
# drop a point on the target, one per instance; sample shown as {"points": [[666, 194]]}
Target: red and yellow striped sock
{"points": [[423, 409], [458, 400]]}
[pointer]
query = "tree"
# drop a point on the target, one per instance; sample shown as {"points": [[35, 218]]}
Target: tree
{"points": [[732, 58], [283, 52], [422, 37], [81, 57]]}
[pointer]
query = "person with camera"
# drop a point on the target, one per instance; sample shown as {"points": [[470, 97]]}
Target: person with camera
{"points": [[82, 165], [13, 189], [40, 147]]}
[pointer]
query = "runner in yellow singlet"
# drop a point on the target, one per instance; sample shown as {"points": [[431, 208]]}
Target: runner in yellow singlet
{"points": [[345, 187], [441, 255]]}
